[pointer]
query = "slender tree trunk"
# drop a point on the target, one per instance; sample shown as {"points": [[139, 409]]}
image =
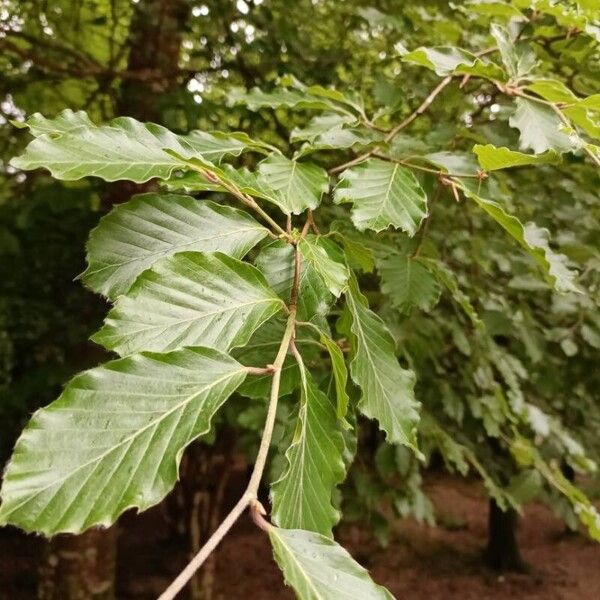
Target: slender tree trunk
{"points": [[79, 567], [502, 552]]}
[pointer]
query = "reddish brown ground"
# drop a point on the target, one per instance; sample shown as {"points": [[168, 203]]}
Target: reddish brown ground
{"points": [[421, 563]]}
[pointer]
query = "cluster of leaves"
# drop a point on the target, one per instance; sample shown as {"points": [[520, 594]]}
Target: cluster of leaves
{"points": [[208, 302]]}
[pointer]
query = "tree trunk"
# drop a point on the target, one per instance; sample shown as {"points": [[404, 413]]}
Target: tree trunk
{"points": [[155, 41], [502, 552], [79, 567], [155, 37]]}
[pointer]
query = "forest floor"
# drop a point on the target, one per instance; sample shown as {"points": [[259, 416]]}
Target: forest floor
{"points": [[421, 562]]}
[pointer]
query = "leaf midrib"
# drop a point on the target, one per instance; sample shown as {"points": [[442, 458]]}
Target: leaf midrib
{"points": [[128, 439]]}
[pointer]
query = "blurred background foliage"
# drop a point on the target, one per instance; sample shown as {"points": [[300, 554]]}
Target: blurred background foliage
{"points": [[175, 62]]}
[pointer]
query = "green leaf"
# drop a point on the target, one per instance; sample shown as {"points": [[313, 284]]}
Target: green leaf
{"points": [[495, 8], [317, 568], [135, 235], [357, 254], [256, 99], [340, 374], [276, 261], [534, 240], [341, 138], [124, 149], [587, 121], [519, 59], [113, 439], [301, 498], [408, 283], [262, 349], [449, 60], [492, 158], [540, 127], [189, 299], [68, 120], [314, 251], [319, 126], [591, 103], [447, 278], [383, 194], [387, 388], [297, 185], [551, 90]]}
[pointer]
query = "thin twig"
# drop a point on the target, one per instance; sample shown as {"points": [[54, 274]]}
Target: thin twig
{"points": [[179, 582], [393, 132], [426, 169], [249, 497], [244, 198]]}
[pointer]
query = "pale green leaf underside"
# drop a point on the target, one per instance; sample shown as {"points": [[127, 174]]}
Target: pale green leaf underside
{"points": [[317, 568], [448, 60], [387, 388], [315, 253], [297, 186], [301, 498], [518, 58], [540, 127], [255, 99], [67, 120], [122, 149], [492, 158], [113, 439], [190, 299], [534, 240], [408, 283], [383, 194], [133, 236], [319, 126], [338, 138]]}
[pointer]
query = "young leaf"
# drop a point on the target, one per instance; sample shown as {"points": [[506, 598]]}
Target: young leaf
{"points": [[340, 374], [135, 235], [124, 149], [534, 240], [408, 283], [189, 299], [552, 90], [301, 498], [491, 158], [333, 272], [449, 60], [383, 194], [276, 261], [297, 185], [320, 569], [591, 103], [519, 59], [540, 127], [387, 388], [113, 439]]}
